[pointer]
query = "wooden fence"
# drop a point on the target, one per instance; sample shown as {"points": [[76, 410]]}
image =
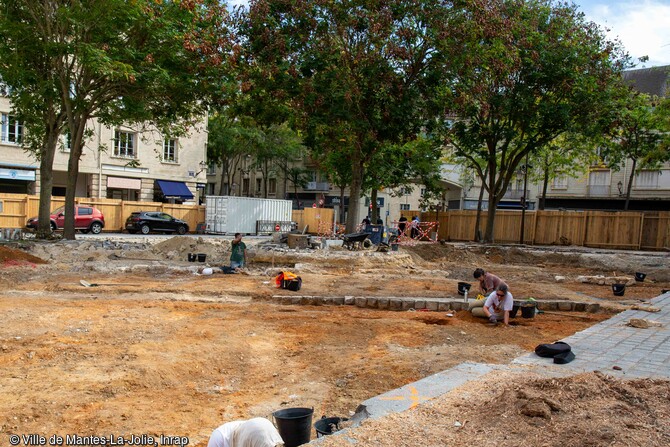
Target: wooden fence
{"points": [[618, 229], [317, 220], [18, 208]]}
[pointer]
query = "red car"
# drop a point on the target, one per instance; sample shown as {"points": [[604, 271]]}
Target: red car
{"points": [[87, 218]]}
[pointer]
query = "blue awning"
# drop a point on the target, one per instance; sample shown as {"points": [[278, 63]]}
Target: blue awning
{"points": [[175, 189]]}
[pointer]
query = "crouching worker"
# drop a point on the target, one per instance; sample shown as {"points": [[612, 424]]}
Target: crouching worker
{"points": [[257, 432], [496, 307]]}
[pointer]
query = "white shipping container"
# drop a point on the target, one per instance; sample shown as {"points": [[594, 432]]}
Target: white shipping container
{"points": [[230, 214]]}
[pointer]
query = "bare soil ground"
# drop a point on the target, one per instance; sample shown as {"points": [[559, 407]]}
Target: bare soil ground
{"points": [[176, 353]]}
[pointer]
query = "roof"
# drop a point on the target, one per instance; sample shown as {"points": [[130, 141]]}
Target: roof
{"points": [[653, 81]]}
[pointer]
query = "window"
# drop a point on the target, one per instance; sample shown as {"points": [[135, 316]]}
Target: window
{"points": [[170, 150], [601, 157], [66, 141], [245, 186], [647, 179], [85, 211], [272, 186], [211, 189], [259, 184], [124, 144], [560, 182], [404, 207], [211, 169], [423, 192], [12, 129]]}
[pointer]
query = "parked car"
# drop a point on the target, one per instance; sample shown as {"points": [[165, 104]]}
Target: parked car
{"points": [[87, 218], [148, 221]]}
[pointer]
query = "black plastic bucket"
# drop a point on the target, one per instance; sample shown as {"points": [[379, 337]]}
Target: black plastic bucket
{"points": [[202, 257], [639, 276], [192, 257], [294, 425], [514, 311], [327, 426], [528, 311], [462, 287], [618, 289]]}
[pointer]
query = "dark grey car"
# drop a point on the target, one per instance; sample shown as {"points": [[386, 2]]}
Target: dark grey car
{"points": [[148, 221]]}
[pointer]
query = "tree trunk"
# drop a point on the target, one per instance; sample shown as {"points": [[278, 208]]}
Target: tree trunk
{"points": [[222, 185], [545, 184], [266, 172], [630, 185], [490, 219], [374, 214], [355, 192], [46, 184], [77, 132], [478, 233], [342, 203], [493, 203]]}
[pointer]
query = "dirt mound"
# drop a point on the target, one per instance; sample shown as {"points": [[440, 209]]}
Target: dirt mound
{"points": [[505, 409], [179, 247], [10, 256], [444, 253]]}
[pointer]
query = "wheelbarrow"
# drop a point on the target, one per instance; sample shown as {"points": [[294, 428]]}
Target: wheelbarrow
{"points": [[354, 241]]}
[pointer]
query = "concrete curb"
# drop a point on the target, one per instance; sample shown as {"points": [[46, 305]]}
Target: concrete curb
{"points": [[418, 303]]}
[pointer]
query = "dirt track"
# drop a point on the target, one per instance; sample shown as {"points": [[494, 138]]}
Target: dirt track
{"points": [[182, 353]]}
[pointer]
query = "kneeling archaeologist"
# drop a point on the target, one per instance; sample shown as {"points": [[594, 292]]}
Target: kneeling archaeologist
{"points": [[496, 307]]}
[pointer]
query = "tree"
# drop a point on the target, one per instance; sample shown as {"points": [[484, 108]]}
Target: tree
{"points": [[354, 73], [641, 134], [517, 75], [279, 145], [229, 142], [567, 155], [146, 62], [25, 68], [403, 166]]}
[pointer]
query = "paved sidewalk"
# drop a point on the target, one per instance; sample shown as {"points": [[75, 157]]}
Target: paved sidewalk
{"points": [[638, 352]]}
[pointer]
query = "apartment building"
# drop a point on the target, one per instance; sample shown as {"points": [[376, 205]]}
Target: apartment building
{"points": [[318, 191], [605, 188], [601, 187], [128, 163]]}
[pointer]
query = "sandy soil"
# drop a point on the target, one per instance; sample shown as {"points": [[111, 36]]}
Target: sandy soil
{"points": [[169, 352]]}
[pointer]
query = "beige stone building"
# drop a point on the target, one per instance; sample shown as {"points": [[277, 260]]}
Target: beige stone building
{"points": [[129, 163]]}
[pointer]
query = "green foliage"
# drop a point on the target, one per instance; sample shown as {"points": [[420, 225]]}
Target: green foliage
{"points": [[121, 62], [641, 133], [350, 74], [517, 75]]}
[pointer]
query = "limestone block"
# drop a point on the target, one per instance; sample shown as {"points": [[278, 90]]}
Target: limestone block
{"points": [[383, 303], [564, 305], [547, 305], [432, 305], [395, 304]]}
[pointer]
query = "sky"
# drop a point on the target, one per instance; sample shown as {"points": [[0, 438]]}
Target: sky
{"points": [[642, 26]]}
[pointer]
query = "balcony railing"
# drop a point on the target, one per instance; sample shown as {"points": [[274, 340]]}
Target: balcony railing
{"points": [[516, 194], [599, 190], [317, 186]]}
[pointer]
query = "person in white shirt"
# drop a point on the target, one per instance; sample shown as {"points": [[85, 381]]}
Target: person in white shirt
{"points": [[256, 432], [497, 305]]}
